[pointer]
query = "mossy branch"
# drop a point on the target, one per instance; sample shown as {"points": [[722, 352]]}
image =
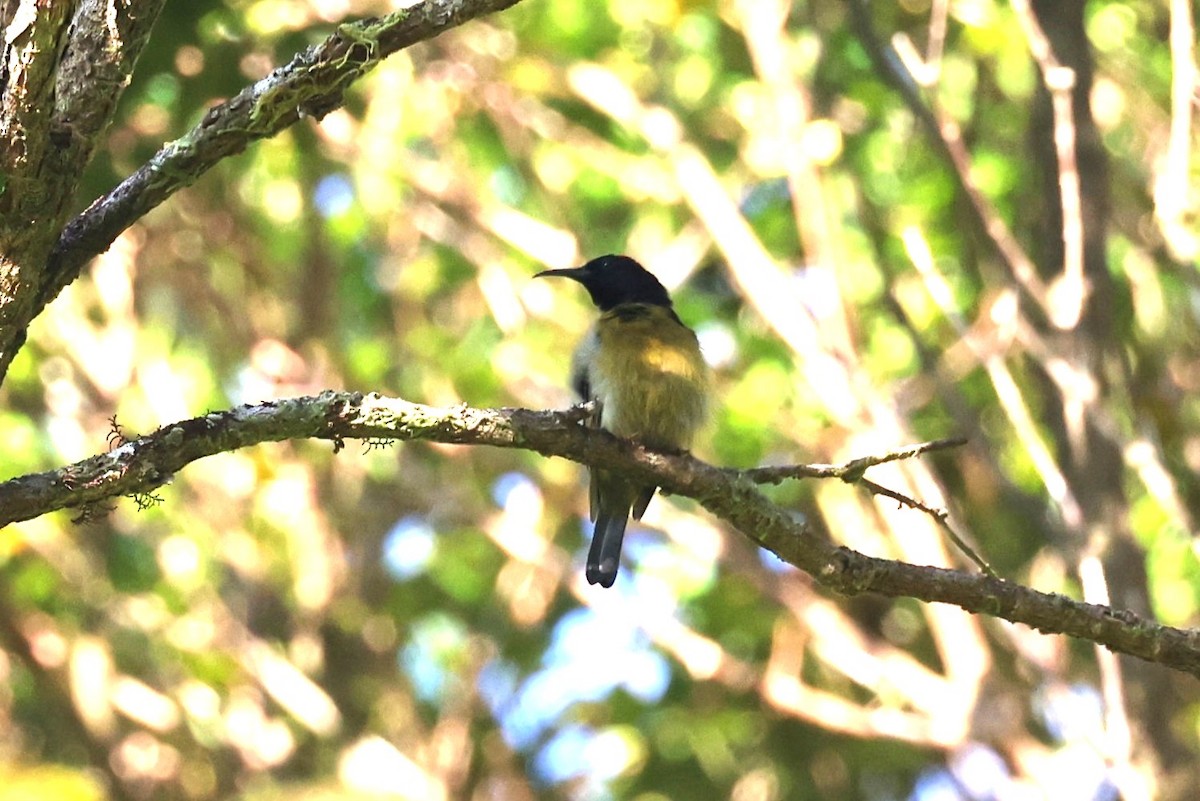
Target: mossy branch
{"points": [[310, 85], [138, 466]]}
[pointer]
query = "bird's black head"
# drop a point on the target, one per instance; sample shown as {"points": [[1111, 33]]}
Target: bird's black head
{"points": [[613, 280]]}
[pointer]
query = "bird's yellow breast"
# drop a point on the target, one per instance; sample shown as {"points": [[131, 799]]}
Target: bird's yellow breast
{"points": [[647, 370]]}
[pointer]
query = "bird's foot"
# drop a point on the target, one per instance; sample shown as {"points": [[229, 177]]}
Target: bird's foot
{"points": [[582, 412]]}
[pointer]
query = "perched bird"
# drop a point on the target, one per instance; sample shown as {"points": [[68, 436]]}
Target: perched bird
{"points": [[643, 367]]}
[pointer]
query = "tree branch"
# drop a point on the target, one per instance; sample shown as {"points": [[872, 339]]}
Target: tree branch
{"points": [[310, 85], [851, 471], [67, 66], [141, 465]]}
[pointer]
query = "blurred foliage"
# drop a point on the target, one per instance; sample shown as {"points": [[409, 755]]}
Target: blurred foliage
{"points": [[412, 620]]}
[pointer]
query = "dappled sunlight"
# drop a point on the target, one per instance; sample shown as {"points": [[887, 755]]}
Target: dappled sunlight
{"points": [[373, 765], [261, 741], [862, 255], [144, 705], [307, 703]]}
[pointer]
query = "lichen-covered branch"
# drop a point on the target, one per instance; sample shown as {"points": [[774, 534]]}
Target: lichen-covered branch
{"points": [[141, 465], [310, 85], [67, 65]]}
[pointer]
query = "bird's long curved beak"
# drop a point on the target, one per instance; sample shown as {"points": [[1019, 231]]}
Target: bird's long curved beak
{"points": [[570, 272]]}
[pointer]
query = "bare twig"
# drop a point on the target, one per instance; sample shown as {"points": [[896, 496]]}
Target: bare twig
{"points": [[942, 517], [849, 472], [852, 473]]}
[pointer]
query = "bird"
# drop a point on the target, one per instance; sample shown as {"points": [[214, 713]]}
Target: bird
{"points": [[644, 369]]}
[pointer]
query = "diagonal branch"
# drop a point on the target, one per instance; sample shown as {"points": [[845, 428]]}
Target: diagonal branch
{"points": [[142, 465], [310, 85], [63, 69]]}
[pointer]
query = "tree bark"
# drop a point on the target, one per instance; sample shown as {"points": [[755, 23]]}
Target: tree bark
{"points": [[65, 66], [64, 76], [138, 467]]}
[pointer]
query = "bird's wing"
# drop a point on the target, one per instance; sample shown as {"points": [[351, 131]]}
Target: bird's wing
{"points": [[642, 501], [593, 480], [581, 361], [581, 382]]}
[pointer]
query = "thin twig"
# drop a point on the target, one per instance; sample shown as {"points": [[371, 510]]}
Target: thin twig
{"points": [[942, 517], [850, 471]]}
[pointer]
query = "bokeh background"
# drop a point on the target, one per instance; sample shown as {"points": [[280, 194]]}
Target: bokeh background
{"points": [[411, 620]]}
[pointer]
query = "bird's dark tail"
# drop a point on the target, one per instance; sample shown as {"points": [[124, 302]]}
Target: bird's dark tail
{"points": [[604, 557]]}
